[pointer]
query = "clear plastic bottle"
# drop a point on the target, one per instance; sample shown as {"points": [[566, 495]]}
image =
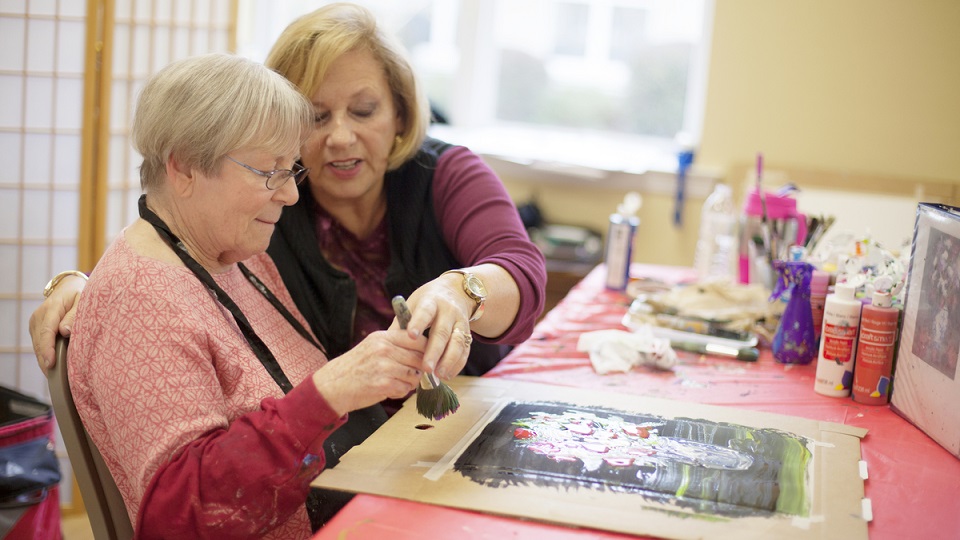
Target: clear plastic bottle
{"points": [[717, 244]]}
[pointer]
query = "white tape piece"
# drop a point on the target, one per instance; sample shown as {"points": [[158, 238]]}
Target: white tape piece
{"points": [[446, 462], [867, 510], [863, 470]]}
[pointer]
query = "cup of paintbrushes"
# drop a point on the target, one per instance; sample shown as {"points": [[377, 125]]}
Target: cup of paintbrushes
{"points": [[770, 225], [435, 399]]}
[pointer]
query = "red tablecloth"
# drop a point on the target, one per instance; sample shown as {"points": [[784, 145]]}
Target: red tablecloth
{"points": [[912, 482]]}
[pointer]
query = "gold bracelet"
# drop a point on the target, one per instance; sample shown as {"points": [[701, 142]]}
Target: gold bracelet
{"points": [[52, 284]]}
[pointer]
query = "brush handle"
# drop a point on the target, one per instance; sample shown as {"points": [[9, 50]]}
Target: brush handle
{"points": [[402, 311], [429, 381]]}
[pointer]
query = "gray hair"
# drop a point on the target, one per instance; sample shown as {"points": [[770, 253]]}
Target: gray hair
{"points": [[201, 108]]}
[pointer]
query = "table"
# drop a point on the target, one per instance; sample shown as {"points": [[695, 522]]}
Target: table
{"points": [[912, 480]]}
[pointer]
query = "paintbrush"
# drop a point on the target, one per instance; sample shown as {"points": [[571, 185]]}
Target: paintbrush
{"points": [[745, 354], [764, 224], [435, 400]]}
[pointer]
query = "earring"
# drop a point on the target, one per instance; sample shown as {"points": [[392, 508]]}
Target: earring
{"points": [[397, 140]]}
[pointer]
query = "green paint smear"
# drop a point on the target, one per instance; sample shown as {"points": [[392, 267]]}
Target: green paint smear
{"points": [[684, 481], [793, 496]]}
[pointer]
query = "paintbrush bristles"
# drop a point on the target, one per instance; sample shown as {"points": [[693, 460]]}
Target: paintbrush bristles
{"points": [[435, 400]]}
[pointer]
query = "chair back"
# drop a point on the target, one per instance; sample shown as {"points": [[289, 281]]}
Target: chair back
{"points": [[104, 504]]}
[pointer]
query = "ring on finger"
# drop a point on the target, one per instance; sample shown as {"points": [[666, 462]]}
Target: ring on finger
{"points": [[465, 337]]}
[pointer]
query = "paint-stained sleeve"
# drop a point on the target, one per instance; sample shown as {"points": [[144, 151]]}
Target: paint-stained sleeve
{"points": [[242, 481]]}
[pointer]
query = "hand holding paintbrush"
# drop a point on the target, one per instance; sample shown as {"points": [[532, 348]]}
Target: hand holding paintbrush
{"points": [[435, 400]]}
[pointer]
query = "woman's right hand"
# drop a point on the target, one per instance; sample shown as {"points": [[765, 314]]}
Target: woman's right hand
{"points": [[55, 314], [386, 364]]}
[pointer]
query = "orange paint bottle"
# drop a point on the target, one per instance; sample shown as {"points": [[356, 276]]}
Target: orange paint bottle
{"points": [[875, 350]]}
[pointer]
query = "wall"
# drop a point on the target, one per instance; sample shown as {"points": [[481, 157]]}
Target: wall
{"points": [[856, 95]]}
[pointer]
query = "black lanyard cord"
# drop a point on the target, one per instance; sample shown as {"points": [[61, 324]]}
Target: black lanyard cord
{"points": [[263, 353]]}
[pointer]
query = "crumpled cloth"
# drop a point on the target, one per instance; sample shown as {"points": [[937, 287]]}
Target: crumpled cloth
{"points": [[619, 351]]}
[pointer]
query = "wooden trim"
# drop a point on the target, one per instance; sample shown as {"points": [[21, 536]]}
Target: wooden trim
{"points": [[232, 26], [95, 144]]}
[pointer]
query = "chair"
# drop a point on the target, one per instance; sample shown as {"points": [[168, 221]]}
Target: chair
{"points": [[105, 508]]}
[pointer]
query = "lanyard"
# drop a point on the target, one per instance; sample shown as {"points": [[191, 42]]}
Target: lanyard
{"points": [[263, 353]]}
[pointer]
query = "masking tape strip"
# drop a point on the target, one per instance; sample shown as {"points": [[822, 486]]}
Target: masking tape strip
{"points": [[863, 470], [447, 460], [867, 509]]}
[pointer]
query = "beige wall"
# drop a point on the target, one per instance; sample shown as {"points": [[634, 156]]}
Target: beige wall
{"points": [[860, 95], [870, 86]]}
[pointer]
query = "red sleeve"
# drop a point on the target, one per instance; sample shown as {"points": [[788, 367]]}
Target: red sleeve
{"points": [[481, 224], [258, 470]]}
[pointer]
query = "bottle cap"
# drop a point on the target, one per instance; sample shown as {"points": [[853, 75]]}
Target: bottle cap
{"points": [[882, 299], [797, 253], [845, 291]]}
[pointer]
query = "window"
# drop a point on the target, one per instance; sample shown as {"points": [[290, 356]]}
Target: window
{"points": [[612, 83]]}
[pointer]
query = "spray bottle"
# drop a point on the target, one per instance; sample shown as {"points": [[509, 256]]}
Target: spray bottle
{"points": [[619, 252]]}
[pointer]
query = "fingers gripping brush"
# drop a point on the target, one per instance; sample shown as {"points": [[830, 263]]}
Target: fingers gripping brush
{"points": [[435, 400]]}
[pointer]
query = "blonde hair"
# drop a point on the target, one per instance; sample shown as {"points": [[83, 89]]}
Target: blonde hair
{"points": [[199, 109], [309, 45]]}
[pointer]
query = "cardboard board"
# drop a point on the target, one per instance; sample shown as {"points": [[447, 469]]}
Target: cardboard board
{"points": [[454, 462], [926, 385]]}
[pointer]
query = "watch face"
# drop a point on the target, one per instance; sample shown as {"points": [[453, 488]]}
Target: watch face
{"points": [[475, 286]]}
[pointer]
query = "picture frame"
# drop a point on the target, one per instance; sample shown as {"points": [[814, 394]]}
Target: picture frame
{"points": [[926, 380]]}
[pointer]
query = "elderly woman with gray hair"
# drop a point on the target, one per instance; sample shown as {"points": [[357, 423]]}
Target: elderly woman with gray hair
{"points": [[191, 366]]}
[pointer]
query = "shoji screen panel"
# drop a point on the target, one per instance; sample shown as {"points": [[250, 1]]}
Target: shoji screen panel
{"points": [[147, 36], [41, 84], [70, 71], [42, 69]]}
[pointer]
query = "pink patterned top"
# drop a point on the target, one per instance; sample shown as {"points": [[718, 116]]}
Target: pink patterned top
{"points": [[199, 438]]}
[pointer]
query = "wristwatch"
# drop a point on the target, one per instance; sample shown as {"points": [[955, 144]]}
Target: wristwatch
{"points": [[474, 289]]}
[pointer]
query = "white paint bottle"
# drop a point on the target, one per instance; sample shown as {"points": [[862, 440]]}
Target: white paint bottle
{"points": [[838, 342]]}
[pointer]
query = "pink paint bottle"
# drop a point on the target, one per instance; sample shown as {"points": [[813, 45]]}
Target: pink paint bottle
{"points": [[819, 284], [875, 351]]}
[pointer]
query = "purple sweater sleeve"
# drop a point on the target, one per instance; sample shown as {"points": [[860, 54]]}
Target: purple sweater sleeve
{"points": [[481, 225]]}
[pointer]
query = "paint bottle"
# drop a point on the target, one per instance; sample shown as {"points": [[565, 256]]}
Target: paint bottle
{"points": [[838, 342], [819, 284], [875, 350], [620, 234]]}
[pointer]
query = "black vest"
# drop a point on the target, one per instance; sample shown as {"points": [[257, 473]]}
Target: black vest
{"points": [[327, 297]]}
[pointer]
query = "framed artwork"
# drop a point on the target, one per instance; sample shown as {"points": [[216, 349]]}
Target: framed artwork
{"points": [[615, 462], [926, 386]]}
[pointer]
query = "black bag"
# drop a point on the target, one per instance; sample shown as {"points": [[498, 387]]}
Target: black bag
{"points": [[28, 463]]}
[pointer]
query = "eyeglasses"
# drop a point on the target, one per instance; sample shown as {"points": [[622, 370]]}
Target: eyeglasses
{"points": [[278, 177]]}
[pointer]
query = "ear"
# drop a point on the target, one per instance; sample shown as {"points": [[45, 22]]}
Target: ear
{"points": [[180, 177]]}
